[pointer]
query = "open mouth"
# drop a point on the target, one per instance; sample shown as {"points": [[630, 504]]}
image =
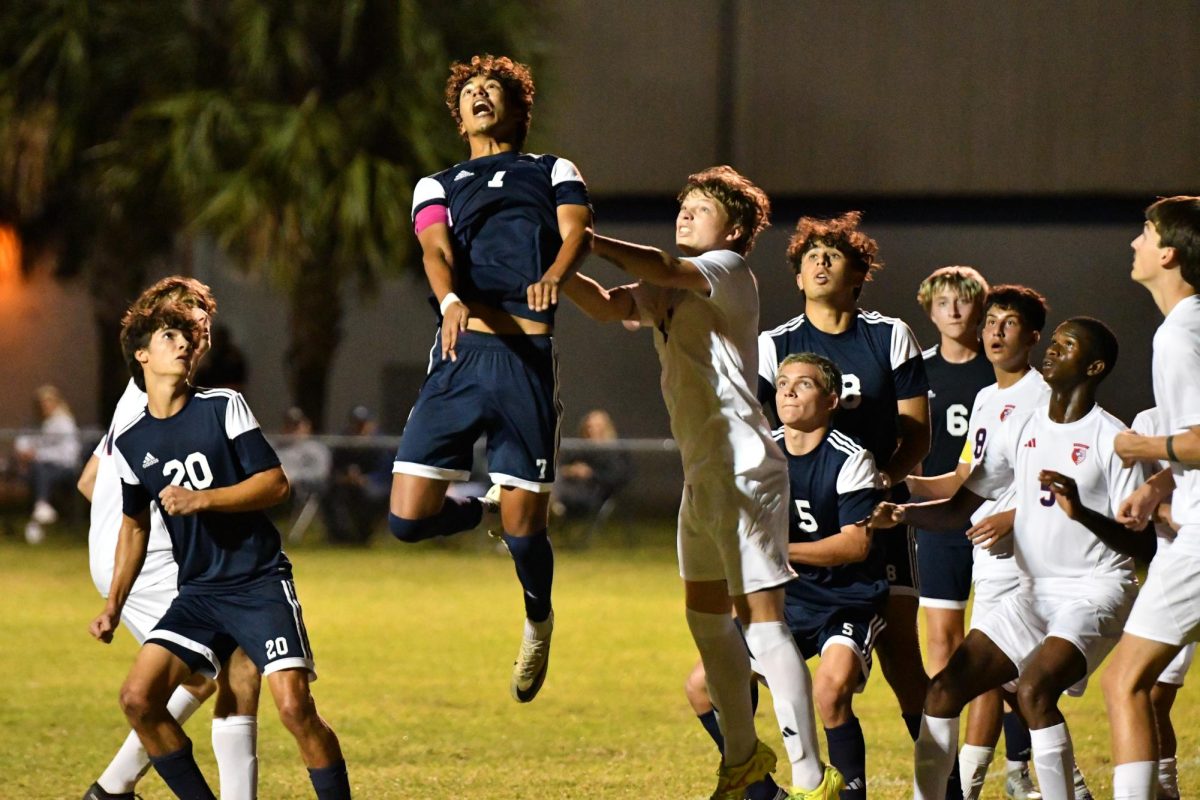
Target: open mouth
{"points": [[481, 108]]}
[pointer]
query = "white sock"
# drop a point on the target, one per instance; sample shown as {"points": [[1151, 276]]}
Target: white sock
{"points": [[787, 677], [235, 744], [933, 757], [131, 762], [727, 667], [1134, 781], [1054, 761], [1168, 778], [973, 763]]}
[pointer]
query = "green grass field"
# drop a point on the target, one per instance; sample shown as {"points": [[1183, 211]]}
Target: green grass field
{"points": [[414, 647]]}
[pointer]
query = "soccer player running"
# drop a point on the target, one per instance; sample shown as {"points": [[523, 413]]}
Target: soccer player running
{"points": [[1166, 260], [499, 233], [234, 730], [200, 455], [884, 405], [733, 518], [1013, 320], [1076, 588]]}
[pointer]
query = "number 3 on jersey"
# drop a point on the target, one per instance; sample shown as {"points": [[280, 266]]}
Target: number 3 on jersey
{"points": [[195, 466]]}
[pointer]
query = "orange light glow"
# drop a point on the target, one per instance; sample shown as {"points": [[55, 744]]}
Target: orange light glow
{"points": [[10, 257]]}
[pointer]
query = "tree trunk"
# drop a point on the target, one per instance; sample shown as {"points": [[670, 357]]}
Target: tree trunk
{"points": [[316, 331]]}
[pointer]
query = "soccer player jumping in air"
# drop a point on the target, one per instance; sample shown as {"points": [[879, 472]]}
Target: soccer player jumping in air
{"points": [[499, 233], [733, 519]]}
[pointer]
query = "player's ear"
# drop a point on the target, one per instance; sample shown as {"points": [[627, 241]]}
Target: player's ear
{"points": [[1095, 368], [142, 355], [835, 400], [734, 234]]}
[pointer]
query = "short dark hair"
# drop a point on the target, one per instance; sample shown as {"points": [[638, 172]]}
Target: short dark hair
{"points": [[1029, 304], [141, 322], [515, 77], [1177, 220], [746, 204], [841, 233], [831, 374], [1101, 341]]}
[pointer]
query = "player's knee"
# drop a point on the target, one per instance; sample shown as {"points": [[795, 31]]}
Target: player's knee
{"points": [[942, 699], [1036, 696], [136, 704], [297, 711], [832, 698], [408, 530]]}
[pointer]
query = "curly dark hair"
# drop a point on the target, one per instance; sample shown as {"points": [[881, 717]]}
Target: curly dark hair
{"points": [[1029, 304], [180, 289], [515, 77], [141, 322], [841, 233], [746, 204]]}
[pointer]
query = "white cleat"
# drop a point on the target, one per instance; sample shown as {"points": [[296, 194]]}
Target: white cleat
{"points": [[529, 670], [1019, 786], [491, 500]]}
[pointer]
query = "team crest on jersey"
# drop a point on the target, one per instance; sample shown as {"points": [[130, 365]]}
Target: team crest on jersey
{"points": [[1079, 453], [1008, 409]]}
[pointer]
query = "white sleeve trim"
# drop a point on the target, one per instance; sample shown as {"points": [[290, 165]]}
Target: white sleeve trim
{"points": [[238, 417], [125, 473], [427, 189], [858, 472], [564, 171], [904, 344]]}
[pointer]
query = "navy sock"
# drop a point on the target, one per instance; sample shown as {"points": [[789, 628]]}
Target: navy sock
{"points": [[754, 697], [332, 782], [913, 723], [534, 559], [457, 515], [848, 752], [181, 774], [709, 721], [954, 784], [1017, 746]]}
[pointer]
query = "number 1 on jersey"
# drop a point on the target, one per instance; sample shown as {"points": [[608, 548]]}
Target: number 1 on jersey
{"points": [[497, 180]]}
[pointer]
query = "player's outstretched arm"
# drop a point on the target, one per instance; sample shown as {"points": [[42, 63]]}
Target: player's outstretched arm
{"points": [[437, 256], [602, 305], [1182, 448], [849, 546], [938, 487], [1140, 544], [575, 228], [132, 541], [87, 479], [261, 490], [651, 264], [942, 515]]}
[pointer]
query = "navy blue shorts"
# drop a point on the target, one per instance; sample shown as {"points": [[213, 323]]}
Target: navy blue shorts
{"points": [[504, 387], [203, 630], [944, 561], [856, 628], [900, 560]]}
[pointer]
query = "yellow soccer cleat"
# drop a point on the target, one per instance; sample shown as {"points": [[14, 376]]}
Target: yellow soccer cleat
{"points": [[733, 780], [829, 787]]}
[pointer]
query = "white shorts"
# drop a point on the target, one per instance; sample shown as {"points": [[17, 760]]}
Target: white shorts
{"points": [[1088, 615], [1173, 674], [146, 606], [736, 530], [989, 591], [1168, 608]]}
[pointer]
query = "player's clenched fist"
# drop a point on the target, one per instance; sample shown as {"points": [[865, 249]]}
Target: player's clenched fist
{"points": [[102, 627], [178, 501], [886, 515]]}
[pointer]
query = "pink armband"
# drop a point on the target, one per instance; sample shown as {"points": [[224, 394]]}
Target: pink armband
{"points": [[430, 215]]}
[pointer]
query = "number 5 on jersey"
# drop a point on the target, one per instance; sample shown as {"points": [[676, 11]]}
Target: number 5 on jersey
{"points": [[808, 523]]}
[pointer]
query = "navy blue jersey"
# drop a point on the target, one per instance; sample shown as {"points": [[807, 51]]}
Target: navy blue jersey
{"points": [[881, 364], [502, 211], [832, 486], [214, 441], [952, 390]]}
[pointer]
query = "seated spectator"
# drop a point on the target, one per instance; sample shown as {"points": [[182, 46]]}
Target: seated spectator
{"points": [[307, 463], [594, 475], [50, 457], [360, 483]]}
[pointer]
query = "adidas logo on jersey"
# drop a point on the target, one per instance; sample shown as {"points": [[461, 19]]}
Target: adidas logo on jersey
{"points": [[464, 174], [1031, 443], [149, 461]]}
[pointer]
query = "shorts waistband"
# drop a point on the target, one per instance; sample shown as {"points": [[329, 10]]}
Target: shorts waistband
{"points": [[476, 340]]}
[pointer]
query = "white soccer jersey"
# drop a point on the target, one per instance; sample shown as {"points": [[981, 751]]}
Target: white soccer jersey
{"points": [[106, 509], [1047, 544], [708, 346], [1176, 372], [1149, 423]]}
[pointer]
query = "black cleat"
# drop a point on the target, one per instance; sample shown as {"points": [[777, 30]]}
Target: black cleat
{"points": [[95, 792]]}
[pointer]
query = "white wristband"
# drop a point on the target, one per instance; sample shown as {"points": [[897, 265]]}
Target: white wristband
{"points": [[448, 300]]}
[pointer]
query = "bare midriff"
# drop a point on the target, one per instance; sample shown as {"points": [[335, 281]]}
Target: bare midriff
{"points": [[485, 319]]}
